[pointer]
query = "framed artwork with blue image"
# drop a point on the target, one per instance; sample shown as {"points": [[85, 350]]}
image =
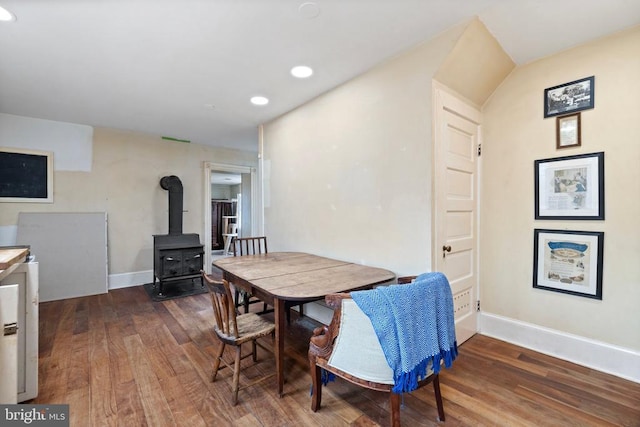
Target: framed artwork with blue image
{"points": [[569, 262]]}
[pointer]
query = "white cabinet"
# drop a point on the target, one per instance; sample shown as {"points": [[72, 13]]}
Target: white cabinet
{"points": [[25, 275], [8, 344]]}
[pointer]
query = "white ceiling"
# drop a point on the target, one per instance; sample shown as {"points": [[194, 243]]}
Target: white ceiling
{"points": [[224, 178], [186, 69]]}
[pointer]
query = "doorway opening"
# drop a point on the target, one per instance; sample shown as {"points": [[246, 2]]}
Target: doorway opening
{"points": [[229, 195]]}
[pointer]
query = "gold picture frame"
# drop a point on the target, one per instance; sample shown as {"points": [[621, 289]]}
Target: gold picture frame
{"points": [[568, 133]]}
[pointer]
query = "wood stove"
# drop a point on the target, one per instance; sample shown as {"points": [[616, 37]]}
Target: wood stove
{"points": [[177, 256]]}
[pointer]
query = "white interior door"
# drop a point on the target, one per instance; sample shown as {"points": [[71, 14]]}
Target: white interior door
{"points": [[8, 344], [457, 132]]}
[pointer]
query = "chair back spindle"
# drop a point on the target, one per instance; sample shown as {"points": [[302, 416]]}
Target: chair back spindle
{"points": [[250, 246], [223, 306]]}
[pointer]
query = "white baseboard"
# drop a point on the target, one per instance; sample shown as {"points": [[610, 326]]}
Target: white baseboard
{"points": [[127, 280], [318, 311], [598, 355]]}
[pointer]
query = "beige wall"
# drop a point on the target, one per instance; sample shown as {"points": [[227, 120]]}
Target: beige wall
{"points": [[349, 174], [515, 134], [124, 182]]}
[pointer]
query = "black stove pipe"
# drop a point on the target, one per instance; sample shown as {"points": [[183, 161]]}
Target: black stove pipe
{"points": [[174, 186]]}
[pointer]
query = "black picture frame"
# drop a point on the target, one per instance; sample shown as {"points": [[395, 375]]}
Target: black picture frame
{"points": [[570, 187], [571, 97], [568, 262]]}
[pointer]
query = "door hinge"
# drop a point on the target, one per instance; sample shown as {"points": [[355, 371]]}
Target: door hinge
{"points": [[479, 150], [478, 305], [10, 328]]}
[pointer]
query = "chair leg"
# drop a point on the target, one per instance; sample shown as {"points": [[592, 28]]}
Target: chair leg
{"points": [[245, 300], [236, 376], [395, 409], [216, 362], [236, 300], [288, 312], [316, 384], [436, 389]]}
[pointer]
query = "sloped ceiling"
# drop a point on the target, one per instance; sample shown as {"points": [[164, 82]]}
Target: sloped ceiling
{"points": [[476, 65], [187, 69]]}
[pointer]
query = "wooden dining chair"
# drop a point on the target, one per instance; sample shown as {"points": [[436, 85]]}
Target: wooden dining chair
{"points": [[249, 246], [235, 330], [256, 246], [350, 349]]}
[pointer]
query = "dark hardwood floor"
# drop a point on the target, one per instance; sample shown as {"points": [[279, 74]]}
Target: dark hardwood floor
{"points": [[120, 359]]}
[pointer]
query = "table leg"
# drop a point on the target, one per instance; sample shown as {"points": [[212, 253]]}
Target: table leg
{"points": [[278, 310]]}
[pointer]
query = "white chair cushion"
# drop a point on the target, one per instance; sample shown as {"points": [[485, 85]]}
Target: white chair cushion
{"points": [[357, 350]]}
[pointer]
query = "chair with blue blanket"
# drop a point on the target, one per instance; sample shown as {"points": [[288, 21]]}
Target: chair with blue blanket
{"points": [[375, 341]]}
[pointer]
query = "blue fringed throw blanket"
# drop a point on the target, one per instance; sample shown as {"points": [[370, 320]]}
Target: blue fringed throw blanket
{"points": [[414, 324]]}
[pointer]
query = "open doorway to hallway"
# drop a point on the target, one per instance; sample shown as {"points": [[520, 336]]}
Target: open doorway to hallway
{"points": [[229, 198], [226, 212]]}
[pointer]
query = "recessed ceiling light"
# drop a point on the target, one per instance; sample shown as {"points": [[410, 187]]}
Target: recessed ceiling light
{"points": [[301, 71], [5, 15], [309, 10], [259, 100]]}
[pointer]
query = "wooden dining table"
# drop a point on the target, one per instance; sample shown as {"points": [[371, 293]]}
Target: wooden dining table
{"points": [[280, 277]]}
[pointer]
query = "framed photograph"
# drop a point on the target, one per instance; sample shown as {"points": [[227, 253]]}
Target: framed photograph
{"points": [[569, 97], [568, 261], [26, 176], [568, 131], [570, 187]]}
